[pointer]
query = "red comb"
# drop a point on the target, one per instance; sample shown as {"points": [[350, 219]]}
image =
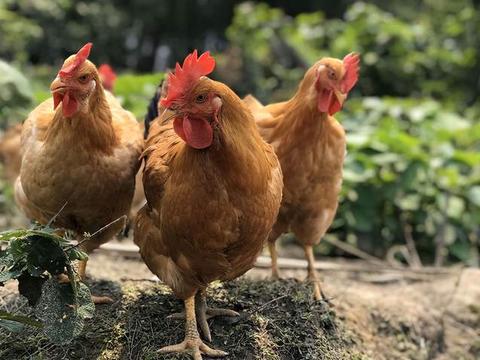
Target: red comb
{"points": [[79, 59], [351, 62], [107, 75], [185, 76], [106, 70]]}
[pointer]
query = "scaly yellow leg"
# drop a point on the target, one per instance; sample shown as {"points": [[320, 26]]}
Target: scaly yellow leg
{"points": [[312, 274], [192, 343], [274, 257], [82, 270]]}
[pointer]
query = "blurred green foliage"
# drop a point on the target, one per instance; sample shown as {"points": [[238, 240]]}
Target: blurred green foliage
{"points": [[128, 33], [15, 95], [135, 91], [435, 53], [16, 31], [48, 28], [413, 164], [412, 121]]}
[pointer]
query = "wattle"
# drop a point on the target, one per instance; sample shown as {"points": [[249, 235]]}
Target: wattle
{"points": [[196, 132], [69, 103]]}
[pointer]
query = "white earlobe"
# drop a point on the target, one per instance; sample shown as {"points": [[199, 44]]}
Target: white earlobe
{"points": [[217, 103], [320, 68]]}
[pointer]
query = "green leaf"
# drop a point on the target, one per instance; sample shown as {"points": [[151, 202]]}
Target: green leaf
{"points": [[86, 307], [10, 274], [46, 255], [474, 195], [461, 250], [470, 158], [12, 326], [18, 248], [409, 202], [31, 287], [6, 259], [386, 158], [39, 230], [76, 254], [456, 207], [8, 321], [450, 234], [409, 178], [9, 235], [62, 313]]}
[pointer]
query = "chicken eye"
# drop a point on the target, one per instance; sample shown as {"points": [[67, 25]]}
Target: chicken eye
{"points": [[201, 98], [332, 75], [83, 79]]}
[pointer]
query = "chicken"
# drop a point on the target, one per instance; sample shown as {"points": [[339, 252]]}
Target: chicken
{"points": [[10, 142], [81, 152], [310, 145], [10, 152], [204, 220]]}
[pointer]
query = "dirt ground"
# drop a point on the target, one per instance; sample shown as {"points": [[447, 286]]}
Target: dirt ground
{"points": [[375, 315]]}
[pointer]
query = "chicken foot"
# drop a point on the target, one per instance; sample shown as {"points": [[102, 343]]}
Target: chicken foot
{"points": [[312, 274], [192, 343], [81, 269], [205, 313], [82, 266]]}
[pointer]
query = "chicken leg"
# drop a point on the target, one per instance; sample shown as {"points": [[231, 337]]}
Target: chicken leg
{"points": [[82, 267], [192, 343], [312, 274], [274, 257], [204, 313]]}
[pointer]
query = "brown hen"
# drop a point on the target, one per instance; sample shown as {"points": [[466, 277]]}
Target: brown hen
{"points": [[213, 190], [82, 149], [10, 142], [310, 145]]}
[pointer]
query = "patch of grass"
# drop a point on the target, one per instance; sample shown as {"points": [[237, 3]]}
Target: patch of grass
{"points": [[279, 320]]}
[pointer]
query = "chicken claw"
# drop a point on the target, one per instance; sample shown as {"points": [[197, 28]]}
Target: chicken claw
{"points": [[192, 343], [101, 300], [82, 267], [64, 279], [195, 346], [204, 313], [313, 276]]}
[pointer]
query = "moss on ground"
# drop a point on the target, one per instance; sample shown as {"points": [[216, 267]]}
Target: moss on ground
{"points": [[279, 320]]}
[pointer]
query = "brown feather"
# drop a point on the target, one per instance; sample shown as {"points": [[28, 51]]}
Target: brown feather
{"points": [[10, 155]]}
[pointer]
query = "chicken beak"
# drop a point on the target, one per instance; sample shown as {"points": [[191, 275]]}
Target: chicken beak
{"points": [[58, 89], [341, 97], [57, 85]]}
